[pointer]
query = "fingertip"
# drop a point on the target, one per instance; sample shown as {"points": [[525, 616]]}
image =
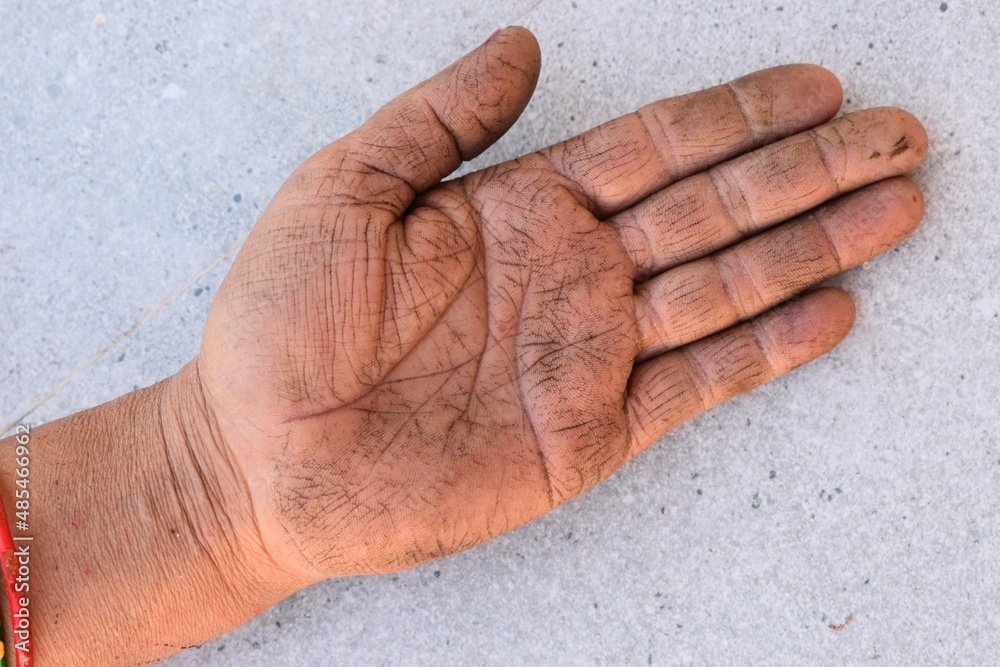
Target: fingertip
{"points": [[820, 84], [916, 136], [833, 310], [524, 37], [838, 307], [907, 200], [797, 97], [811, 325], [826, 87], [497, 87], [872, 220], [520, 46], [918, 201]]}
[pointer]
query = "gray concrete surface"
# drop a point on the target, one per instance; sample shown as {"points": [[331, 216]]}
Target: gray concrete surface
{"points": [[140, 140]]}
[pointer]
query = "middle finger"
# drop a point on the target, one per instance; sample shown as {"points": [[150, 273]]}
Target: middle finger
{"points": [[705, 296], [733, 200]]}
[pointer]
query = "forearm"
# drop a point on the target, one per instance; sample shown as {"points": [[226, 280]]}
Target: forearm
{"points": [[140, 547]]}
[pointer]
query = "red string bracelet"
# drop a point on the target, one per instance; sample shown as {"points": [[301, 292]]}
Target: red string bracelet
{"points": [[9, 562]]}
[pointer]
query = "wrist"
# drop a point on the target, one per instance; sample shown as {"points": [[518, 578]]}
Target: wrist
{"points": [[142, 543], [214, 506]]}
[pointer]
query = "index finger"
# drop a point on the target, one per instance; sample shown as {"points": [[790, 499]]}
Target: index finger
{"points": [[627, 159]]}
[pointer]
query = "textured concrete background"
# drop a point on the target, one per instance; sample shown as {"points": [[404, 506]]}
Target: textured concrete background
{"points": [[141, 140]]}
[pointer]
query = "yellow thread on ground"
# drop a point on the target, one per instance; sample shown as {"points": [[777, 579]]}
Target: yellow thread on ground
{"points": [[125, 334]]}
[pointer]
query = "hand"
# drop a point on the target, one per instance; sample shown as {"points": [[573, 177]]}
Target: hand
{"points": [[396, 368]]}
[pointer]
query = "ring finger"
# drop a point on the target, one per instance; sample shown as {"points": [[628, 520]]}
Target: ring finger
{"points": [[707, 295]]}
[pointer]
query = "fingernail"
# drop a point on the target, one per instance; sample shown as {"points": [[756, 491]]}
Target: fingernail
{"points": [[495, 33]]}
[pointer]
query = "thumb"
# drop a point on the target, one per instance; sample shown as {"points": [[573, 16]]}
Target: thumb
{"points": [[423, 135]]}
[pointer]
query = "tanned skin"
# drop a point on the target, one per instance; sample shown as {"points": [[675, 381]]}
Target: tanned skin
{"points": [[398, 367]]}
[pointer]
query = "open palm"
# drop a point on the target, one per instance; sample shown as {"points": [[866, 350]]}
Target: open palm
{"points": [[399, 368]]}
